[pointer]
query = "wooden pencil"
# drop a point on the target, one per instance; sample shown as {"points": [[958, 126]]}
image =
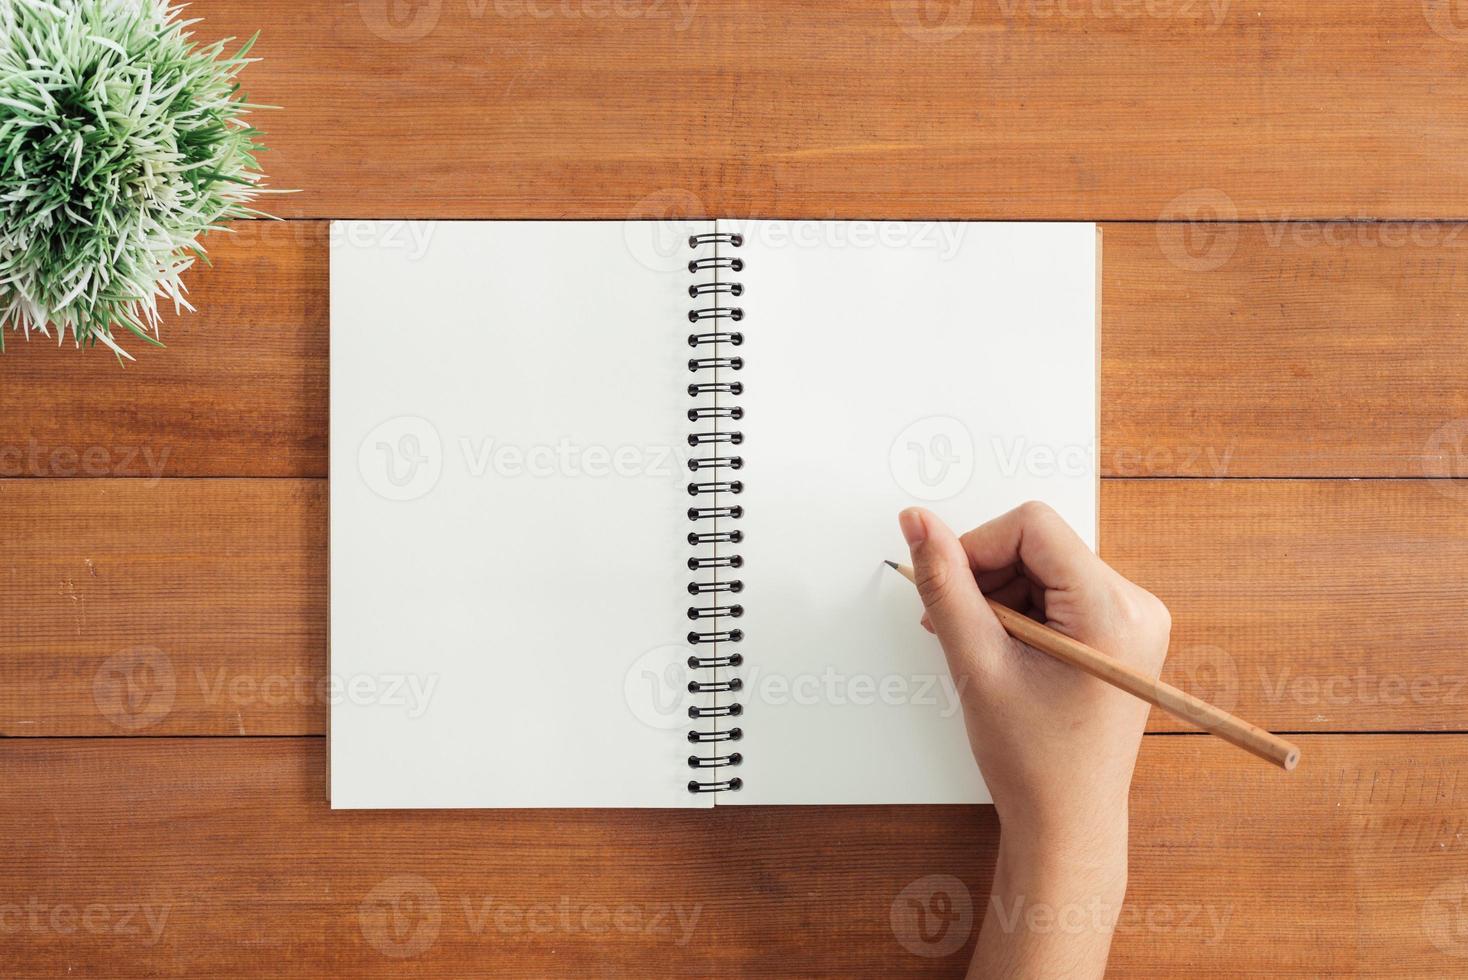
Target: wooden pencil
{"points": [[1178, 703]]}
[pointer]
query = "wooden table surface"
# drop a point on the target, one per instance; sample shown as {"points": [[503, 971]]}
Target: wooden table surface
{"points": [[1284, 447]]}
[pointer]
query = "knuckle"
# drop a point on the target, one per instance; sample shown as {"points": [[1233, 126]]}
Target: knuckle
{"points": [[1161, 615], [1036, 511], [1126, 602], [1140, 611], [933, 579]]}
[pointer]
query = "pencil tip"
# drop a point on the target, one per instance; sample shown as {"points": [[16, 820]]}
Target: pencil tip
{"points": [[889, 564]]}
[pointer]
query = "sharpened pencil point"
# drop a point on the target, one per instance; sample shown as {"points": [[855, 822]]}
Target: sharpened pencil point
{"points": [[889, 564]]}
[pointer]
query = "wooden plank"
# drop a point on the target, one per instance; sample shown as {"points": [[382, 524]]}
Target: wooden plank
{"points": [[142, 607], [1285, 350], [1321, 605], [1294, 356], [240, 389], [199, 606], [225, 858], [1030, 108]]}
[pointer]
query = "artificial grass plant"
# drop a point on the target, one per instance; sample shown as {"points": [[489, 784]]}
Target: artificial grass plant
{"points": [[121, 142]]}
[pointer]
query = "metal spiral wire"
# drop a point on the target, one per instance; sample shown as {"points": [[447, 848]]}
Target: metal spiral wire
{"points": [[714, 370]]}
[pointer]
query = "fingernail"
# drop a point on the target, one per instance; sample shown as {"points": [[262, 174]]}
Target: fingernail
{"points": [[913, 528]]}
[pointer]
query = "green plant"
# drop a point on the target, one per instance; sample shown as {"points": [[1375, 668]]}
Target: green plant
{"points": [[121, 142]]}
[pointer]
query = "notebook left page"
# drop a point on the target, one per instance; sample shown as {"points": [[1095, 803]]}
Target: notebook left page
{"points": [[507, 498]]}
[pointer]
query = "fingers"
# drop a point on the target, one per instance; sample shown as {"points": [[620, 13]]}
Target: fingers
{"points": [[1017, 594], [951, 598], [995, 579], [1033, 535]]}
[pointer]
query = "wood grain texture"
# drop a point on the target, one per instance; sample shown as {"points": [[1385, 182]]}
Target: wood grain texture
{"points": [[199, 606], [1298, 354], [142, 607], [156, 606], [1304, 605], [236, 867], [240, 389], [1285, 350], [1029, 108]]}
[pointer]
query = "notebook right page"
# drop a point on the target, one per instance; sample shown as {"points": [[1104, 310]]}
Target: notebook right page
{"points": [[951, 365]]}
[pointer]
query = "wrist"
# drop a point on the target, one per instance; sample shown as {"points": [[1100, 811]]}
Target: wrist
{"points": [[1066, 857], [1059, 884], [1042, 896]]}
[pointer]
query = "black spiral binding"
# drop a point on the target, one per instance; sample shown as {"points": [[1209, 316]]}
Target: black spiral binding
{"points": [[714, 365]]}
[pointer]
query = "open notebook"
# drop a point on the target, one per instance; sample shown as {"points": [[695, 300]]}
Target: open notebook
{"points": [[610, 500]]}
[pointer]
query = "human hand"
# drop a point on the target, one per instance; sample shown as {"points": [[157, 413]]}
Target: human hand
{"points": [[1056, 746]]}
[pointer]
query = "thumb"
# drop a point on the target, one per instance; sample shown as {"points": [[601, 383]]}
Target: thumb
{"points": [[951, 597]]}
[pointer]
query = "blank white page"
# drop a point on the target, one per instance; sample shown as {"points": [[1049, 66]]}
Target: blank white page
{"points": [[887, 364], [507, 512]]}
